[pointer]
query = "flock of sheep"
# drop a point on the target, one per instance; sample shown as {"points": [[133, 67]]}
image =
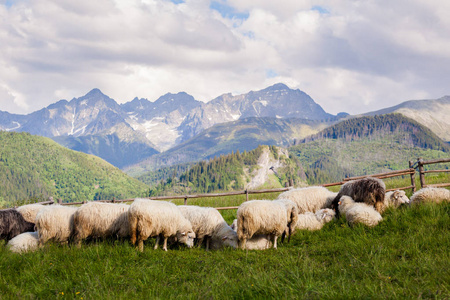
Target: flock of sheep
{"points": [[258, 224]]}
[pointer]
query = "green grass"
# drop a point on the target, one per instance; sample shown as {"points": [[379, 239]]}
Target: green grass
{"points": [[406, 256]]}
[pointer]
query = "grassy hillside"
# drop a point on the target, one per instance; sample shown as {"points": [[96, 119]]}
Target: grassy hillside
{"points": [[241, 135], [406, 130], [36, 167], [366, 145], [406, 256], [227, 172]]}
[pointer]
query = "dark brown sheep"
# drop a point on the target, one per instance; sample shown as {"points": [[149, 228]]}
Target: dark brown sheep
{"points": [[368, 190], [12, 224]]}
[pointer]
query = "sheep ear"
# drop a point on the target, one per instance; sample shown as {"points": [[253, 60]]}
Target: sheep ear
{"points": [[339, 203], [224, 238], [183, 233], [323, 217]]}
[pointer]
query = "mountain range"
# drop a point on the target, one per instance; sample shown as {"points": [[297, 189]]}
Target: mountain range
{"points": [[177, 128]]}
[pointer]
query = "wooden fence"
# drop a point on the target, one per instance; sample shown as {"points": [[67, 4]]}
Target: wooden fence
{"points": [[411, 171]]}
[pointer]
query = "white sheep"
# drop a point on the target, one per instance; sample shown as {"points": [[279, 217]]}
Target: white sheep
{"points": [[27, 241], [151, 218], [357, 212], [292, 217], [100, 220], [208, 224], [431, 194], [55, 222], [257, 242], [368, 190], [394, 199], [310, 198], [262, 217], [30, 211], [311, 221]]}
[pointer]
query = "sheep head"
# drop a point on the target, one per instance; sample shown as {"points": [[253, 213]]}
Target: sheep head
{"points": [[344, 203], [186, 237], [399, 197]]}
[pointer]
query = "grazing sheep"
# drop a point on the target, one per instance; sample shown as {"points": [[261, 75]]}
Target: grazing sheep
{"points": [[356, 212], [368, 190], [310, 198], [394, 199], [311, 221], [30, 211], [12, 224], [100, 220], [292, 217], [257, 242], [149, 218], [431, 194], [208, 223], [27, 241], [262, 217], [55, 222]]}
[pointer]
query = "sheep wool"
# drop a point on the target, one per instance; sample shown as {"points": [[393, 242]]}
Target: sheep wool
{"points": [[257, 242], [311, 221], [358, 212], [55, 222], [100, 220], [208, 224], [431, 194], [151, 218], [261, 217], [395, 199], [292, 217], [368, 190], [12, 224], [310, 198], [27, 241], [30, 211]]}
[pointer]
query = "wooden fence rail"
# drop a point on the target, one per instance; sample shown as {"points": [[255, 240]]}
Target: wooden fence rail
{"points": [[422, 172], [411, 172]]}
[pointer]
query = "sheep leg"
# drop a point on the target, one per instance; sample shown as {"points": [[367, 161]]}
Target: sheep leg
{"points": [[275, 238], [199, 242], [157, 242], [242, 243], [141, 245], [207, 243], [283, 236], [165, 243]]}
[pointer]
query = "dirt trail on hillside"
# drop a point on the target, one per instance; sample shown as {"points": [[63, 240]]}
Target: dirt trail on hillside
{"points": [[265, 162]]}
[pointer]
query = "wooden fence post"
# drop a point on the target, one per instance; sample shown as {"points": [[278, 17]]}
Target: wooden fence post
{"points": [[185, 200], [421, 173], [246, 195], [51, 199], [59, 201], [291, 182], [413, 177]]}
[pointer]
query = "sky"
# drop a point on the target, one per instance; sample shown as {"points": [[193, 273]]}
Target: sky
{"points": [[351, 56]]}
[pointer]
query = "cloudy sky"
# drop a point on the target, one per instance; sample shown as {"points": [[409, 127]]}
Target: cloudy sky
{"points": [[348, 55]]}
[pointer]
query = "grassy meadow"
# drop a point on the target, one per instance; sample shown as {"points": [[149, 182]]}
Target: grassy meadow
{"points": [[406, 256]]}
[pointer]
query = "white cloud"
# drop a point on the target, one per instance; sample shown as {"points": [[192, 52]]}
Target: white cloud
{"points": [[352, 56]]}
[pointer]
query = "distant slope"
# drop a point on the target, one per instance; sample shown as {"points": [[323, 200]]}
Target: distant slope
{"points": [[37, 167], [365, 146], [434, 114], [118, 147], [241, 135], [414, 134], [263, 167]]}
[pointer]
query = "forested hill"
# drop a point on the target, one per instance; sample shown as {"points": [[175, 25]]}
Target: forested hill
{"points": [[235, 171], [413, 133], [33, 167]]}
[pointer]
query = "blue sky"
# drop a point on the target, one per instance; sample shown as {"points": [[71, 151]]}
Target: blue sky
{"points": [[352, 56]]}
